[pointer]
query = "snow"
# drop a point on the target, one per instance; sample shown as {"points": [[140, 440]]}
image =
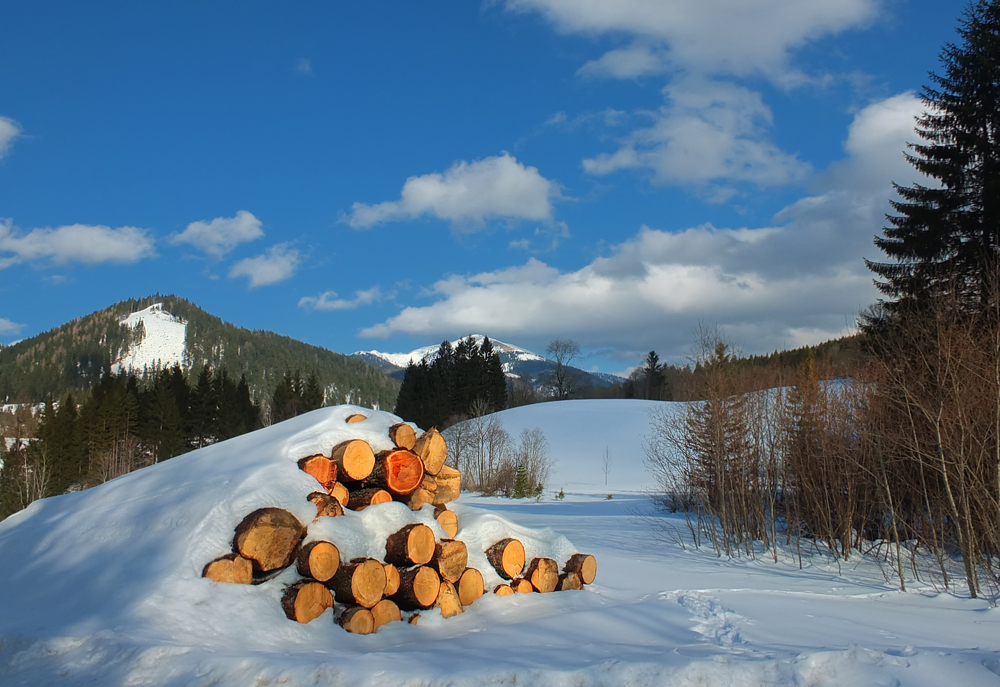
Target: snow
{"points": [[103, 587], [428, 352], [163, 343]]}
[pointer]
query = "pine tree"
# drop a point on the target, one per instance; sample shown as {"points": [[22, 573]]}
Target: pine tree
{"points": [[945, 237], [312, 394]]}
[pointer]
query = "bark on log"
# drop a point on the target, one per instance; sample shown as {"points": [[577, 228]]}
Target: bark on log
{"points": [[340, 492], [447, 520], [268, 537], [584, 565], [230, 568], [447, 600], [318, 560], [418, 588], [402, 435], [321, 468], [384, 612], [413, 619], [432, 449], [543, 573], [470, 586], [391, 579], [568, 581], [412, 545], [503, 590], [506, 557], [362, 498], [306, 600], [354, 460], [398, 471], [357, 417], [360, 582], [357, 620], [325, 504], [451, 558]]}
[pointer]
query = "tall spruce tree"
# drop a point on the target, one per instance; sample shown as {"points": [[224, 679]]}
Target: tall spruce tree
{"points": [[945, 237]]}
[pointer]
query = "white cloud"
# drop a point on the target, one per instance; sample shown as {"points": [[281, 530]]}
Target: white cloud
{"points": [[630, 62], [8, 327], [81, 243], [279, 263], [328, 300], [9, 130], [798, 281], [304, 66], [709, 131], [467, 195], [222, 234]]}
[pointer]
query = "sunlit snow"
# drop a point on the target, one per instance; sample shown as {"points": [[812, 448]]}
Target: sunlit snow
{"points": [[161, 346]]}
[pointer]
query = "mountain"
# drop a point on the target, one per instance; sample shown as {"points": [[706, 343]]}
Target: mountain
{"points": [[160, 331], [517, 362]]}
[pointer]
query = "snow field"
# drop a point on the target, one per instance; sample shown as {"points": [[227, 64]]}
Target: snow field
{"points": [[163, 344]]}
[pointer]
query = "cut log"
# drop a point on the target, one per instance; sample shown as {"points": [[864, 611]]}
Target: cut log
{"points": [[362, 498], [384, 612], [447, 519], [543, 573], [418, 588], [447, 600], [451, 558], [268, 537], [402, 435], [360, 582], [432, 449], [325, 504], [521, 586], [354, 460], [507, 558], [470, 586], [391, 579], [340, 492], [306, 600], [420, 497], [398, 471], [503, 590], [318, 560], [413, 619], [320, 467], [412, 545], [229, 568], [584, 565], [444, 487], [568, 581], [357, 620], [357, 417]]}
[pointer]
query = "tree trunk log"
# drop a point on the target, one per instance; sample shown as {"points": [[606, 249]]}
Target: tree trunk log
{"points": [[447, 600], [362, 498], [568, 581], [354, 419], [398, 471], [439, 489], [306, 600], [384, 612], [507, 558], [357, 620], [447, 520], [391, 579], [418, 588], [543, 573], [412, 545], [360, 582], [321, 468], [340, 492], [318, 560], [269, 538], [503, 590], [354, 460], [522, 586], [470, 586], [451, 558], [584, 565], [432, 449], [325, 504], [402, 435], [229, 568]]}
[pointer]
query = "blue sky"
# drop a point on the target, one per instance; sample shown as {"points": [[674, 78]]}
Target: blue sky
{"points": [[386, 175]]}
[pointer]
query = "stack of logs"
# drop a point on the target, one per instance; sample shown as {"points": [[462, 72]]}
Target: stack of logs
{"points": [[417, 571]]}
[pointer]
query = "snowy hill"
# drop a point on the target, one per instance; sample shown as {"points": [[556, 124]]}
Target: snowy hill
{"points": [[102, 587], [157, 342]]}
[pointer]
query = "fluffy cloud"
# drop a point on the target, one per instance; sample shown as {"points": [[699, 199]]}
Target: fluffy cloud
{"points": [[630, 62], [709, 131], [9, 130], [7, 327], [798, 281], [467, 195], [81, 243], [222, 234], [277, 264], [328, 300]]}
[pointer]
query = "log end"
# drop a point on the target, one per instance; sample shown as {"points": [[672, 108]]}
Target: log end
{"points": [[359, 621], [231, 569]]}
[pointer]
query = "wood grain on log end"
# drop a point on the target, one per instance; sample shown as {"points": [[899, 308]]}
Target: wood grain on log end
{"points": [[306, 600], [507, 557], [269, 537], [231, 569], [403, 435], [386, 611], [584, 565], [470, 586], [447, 601], [319, 560], [543, 573], [357, 620]]}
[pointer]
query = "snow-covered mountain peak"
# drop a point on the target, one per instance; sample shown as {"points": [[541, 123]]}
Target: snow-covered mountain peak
{"points": [[508, 351], [157, 340]]}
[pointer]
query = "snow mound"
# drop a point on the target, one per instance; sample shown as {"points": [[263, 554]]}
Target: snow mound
{"points": [[161, 344]]}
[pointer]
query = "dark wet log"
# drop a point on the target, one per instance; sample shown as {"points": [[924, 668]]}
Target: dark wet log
{"points": [[360, 582], [506, 557], [306, 600], [269, 537], [318, 560], [412, 545], [584, 565], [230, 568]]}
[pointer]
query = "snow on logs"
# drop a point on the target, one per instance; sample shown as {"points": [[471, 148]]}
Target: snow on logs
{"points": [[418, 571]]}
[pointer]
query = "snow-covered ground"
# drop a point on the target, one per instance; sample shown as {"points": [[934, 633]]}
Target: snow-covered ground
{"points": [[163, 343], [102, 587], [430, 352]]}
